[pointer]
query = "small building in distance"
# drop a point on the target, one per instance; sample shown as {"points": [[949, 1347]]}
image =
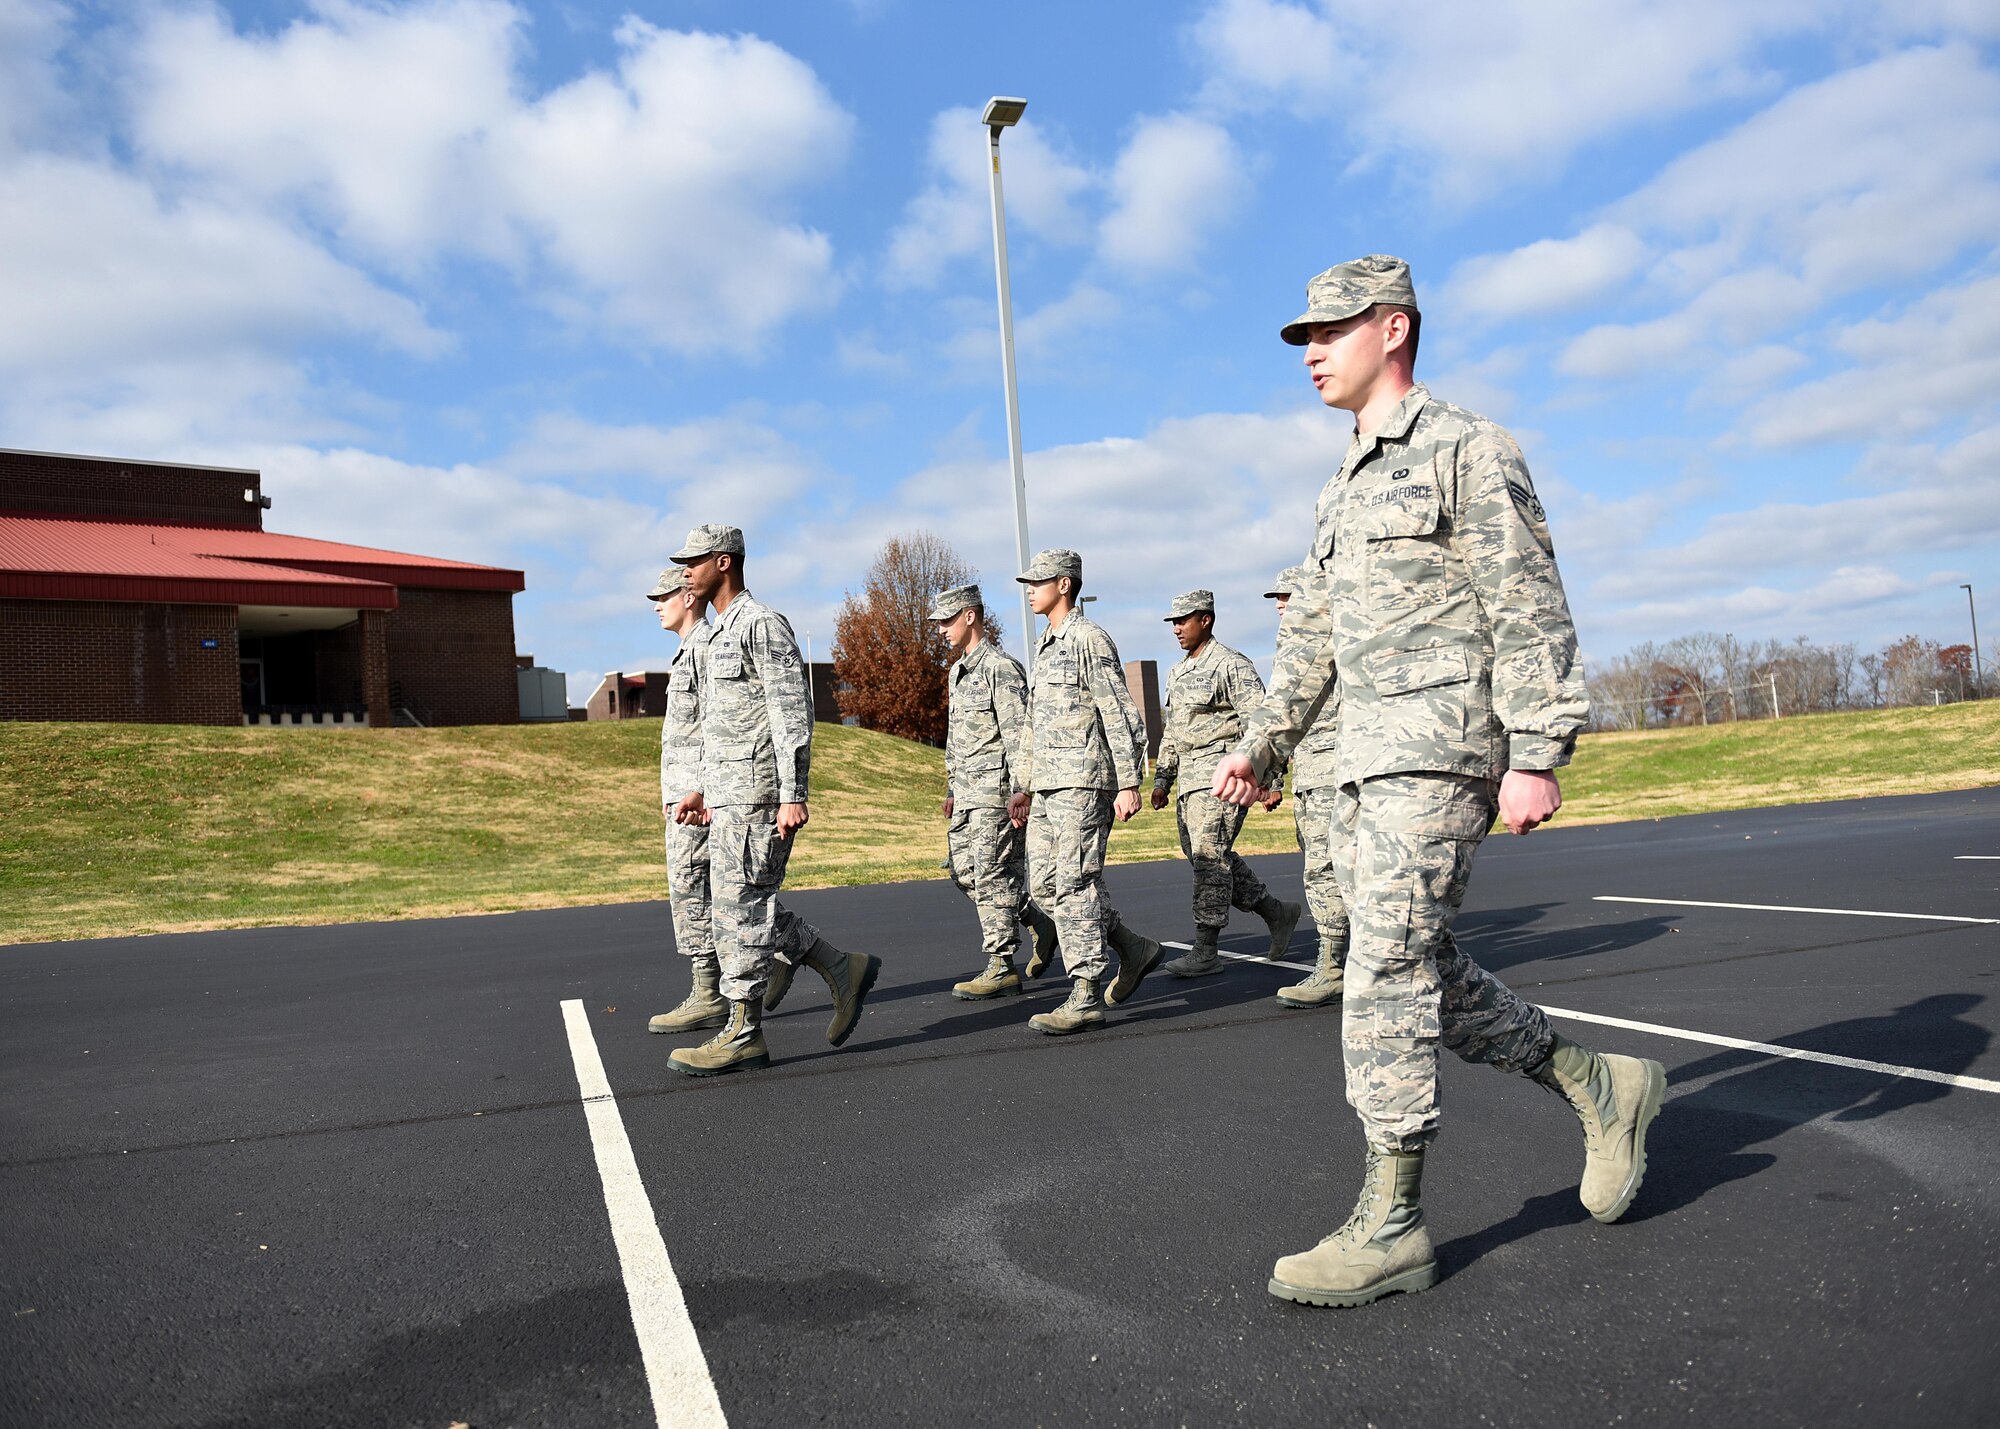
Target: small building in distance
{"points": [[632, 694], [150, 591]]}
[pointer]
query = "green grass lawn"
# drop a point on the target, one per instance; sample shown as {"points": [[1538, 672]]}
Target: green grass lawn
{"points": [[115, 829]]}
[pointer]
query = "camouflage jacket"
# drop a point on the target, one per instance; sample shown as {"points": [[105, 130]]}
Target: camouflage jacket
{"points": [[1444, 620], [1317, 758], [1087, 734], [1208, 694], [756, 711], [680, 729], [984, 762]]}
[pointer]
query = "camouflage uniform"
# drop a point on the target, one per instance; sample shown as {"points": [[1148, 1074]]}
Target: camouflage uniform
{"points": [[1088, 742], [1313, 795], [757, 722], [1445, 625], [983, 762], [1208, 692], [680, 774]]}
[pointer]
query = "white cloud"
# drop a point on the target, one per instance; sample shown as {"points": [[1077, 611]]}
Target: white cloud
{"points": [[1481, 92], [1937, 359], [31, 98], [1177, 180], [952, 218], [1873, 176], [655, 198], [97, 271], [1548, 276]]}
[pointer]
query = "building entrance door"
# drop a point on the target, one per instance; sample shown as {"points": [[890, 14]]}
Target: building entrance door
{"points": [[252, 672]]}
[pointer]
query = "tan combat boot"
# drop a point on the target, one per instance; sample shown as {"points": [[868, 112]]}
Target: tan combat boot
{"points": [[1047, 942], [738, 1047], [999, 980], [1382, 1249], [848, 977], [1616, 1098], [1084, 1009], [1323, 983], [1137, 956], [780, 983], [1202, 960], [703, 1006], [1281, 918]]}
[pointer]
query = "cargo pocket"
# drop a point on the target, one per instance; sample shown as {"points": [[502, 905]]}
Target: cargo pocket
{"points": [[765, 855]]}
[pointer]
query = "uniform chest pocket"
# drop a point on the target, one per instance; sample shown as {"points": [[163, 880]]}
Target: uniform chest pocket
{"points": [[726, 664], [975, 694], [681, 680], [1197, 692], [1397, 512]]}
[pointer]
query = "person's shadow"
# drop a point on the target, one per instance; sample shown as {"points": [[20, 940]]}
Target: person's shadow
{"points": [[1703, 1137]]}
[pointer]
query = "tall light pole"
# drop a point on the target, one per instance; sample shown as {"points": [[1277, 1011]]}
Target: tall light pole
{"points": [[1004, 114], [1978, 678]]}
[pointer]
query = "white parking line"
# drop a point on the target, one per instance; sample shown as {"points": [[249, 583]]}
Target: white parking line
{"points": [[1976, 857], [1769, 1049], [1784, 908], [676, 1370]]}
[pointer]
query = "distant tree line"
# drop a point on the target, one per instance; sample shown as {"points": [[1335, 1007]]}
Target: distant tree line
{"points": [[1709, 679]]}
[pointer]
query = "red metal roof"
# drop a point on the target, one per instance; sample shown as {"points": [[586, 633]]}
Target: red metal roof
{"points": [[59, 558]]}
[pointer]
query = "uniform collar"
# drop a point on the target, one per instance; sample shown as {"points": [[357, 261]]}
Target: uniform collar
{"points": [[1188, 657], [728, 617], [1058, 632], [1395, 427], [970, 660]]}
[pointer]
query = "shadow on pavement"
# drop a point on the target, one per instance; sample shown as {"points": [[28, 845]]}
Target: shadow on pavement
{"points": [[1506, 937], [1700, 1141], [1702, 1138]]}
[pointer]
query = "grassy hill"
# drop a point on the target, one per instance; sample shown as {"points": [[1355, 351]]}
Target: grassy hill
{"points": [[150, 828]]}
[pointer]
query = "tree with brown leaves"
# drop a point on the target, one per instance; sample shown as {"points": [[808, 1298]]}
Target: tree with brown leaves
{"points": [[887, 655]]}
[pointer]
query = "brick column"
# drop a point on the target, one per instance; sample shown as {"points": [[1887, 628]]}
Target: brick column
{"points": [[375, 670], [1142, 682]]}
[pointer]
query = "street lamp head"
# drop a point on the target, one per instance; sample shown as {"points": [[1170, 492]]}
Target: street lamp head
{"points": [[1003, 113]]}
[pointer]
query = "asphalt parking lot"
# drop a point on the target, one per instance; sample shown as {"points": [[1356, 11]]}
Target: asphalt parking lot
{"points": [[349, 1176]]}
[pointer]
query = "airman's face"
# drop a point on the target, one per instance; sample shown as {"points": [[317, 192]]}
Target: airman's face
{"points": [[1043, 595], [957, 632], [1284, 599], [1346, 359], [666, 607], [1191, 630], [704, 577]]}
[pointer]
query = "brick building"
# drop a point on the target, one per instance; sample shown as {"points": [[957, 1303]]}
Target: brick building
{"points": [[146, 591]]}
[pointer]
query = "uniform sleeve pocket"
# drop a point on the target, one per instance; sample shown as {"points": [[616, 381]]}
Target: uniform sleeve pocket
{"points": [[1402, 672]]}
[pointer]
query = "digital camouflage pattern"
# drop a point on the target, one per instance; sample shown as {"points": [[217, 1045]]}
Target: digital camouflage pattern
{"points": [[984, 754], [1222, 880], [1209, 692], [709, 539], [680, 773], [680, 727], [1349, 288], [747, 863], [989, 865], [757, 714], [985, 750], [1312, 815], [1444, 622], [1086, 732], [1403, 847], [1068, 829], [947, 603]]}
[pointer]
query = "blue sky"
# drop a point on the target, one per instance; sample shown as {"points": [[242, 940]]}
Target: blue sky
{"points": [[546, 284]]}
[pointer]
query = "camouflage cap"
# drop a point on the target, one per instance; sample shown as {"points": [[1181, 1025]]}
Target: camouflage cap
{"points": [[671, 580], [710, 539], [1192, 603], [1049, 565], [948, 603], [1349, 288], [1286, 582]]}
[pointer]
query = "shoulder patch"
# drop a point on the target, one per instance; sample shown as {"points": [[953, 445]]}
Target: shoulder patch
{"points": [[1525, 498]]}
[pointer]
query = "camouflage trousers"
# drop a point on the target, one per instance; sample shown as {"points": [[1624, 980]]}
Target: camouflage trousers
{"points": [[1403, 847], [746, 868], [687, 884], [1067, 832], [1312, 816], [1222, 880], [989, 865]]}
